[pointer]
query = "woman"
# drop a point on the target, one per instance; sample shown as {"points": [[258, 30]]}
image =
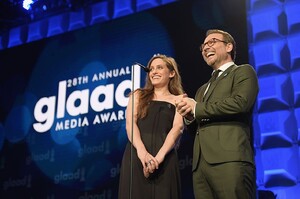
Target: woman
{"points": [[153, 171]]}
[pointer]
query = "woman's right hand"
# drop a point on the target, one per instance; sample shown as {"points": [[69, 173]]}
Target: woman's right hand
{"points": [[148, 161]]}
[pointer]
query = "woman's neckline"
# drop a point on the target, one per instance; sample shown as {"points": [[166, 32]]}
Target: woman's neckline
{"points": [[162, 101]]}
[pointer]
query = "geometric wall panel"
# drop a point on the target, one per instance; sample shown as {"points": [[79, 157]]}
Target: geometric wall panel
{"points": [[292, 14], [288, 193], [297, 114], [16, 36], [279, 177], [122, 8], [99, 12], [274, 40], [259, 168], [268, 56], [283, 171], [278, 129], [165, 1], [77, 20], [145, 4], [266, 24], [275, 93], [257, 5], [94, 13], [256, 131], [37, 30], [294, 49], [295, 77], [57, 25]]}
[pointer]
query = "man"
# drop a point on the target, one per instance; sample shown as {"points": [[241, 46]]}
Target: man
{"points": [[223, 165]]}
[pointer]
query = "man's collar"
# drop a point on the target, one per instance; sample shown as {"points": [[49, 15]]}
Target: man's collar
{"points": [[225, 66]]}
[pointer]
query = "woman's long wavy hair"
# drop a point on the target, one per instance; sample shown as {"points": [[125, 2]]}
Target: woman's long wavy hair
{"points": [[146, 94]]}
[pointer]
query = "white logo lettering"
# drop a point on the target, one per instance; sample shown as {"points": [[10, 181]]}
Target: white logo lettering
{"points": [[78, 102]]}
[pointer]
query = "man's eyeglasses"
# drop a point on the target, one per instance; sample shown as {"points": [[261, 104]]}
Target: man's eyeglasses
{"points": [[210, 43]]}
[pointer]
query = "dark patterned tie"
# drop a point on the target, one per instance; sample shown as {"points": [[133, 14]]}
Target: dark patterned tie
{"points": [[212, 79]]}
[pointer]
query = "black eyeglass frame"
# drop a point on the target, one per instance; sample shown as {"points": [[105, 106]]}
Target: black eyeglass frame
{"points": [[211, 42]]}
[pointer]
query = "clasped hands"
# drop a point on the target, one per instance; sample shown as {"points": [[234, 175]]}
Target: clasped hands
{"points": [[185, 106], [150, 165]]}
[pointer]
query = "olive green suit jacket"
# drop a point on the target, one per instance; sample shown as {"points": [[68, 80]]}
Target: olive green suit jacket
{"points": [[224, 117]]}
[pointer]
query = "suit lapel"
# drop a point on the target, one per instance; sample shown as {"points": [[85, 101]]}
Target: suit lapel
{"points": [[200, 95], [213, 85]]}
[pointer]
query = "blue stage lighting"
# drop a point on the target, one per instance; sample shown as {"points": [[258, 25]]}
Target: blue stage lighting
{"points": [[27, 4]]}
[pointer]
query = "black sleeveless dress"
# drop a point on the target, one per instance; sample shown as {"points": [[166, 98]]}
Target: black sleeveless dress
{"points": [[164, 183]]}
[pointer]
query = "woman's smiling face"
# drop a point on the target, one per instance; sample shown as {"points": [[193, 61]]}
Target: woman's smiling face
{"points": [[159, 73]]}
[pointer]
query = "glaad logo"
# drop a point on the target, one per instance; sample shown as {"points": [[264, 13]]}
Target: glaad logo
{"points": [[102, 147], [47, 156], [78, 175], [77, 103], [186, 162], [23, 182], [106, 194]]}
